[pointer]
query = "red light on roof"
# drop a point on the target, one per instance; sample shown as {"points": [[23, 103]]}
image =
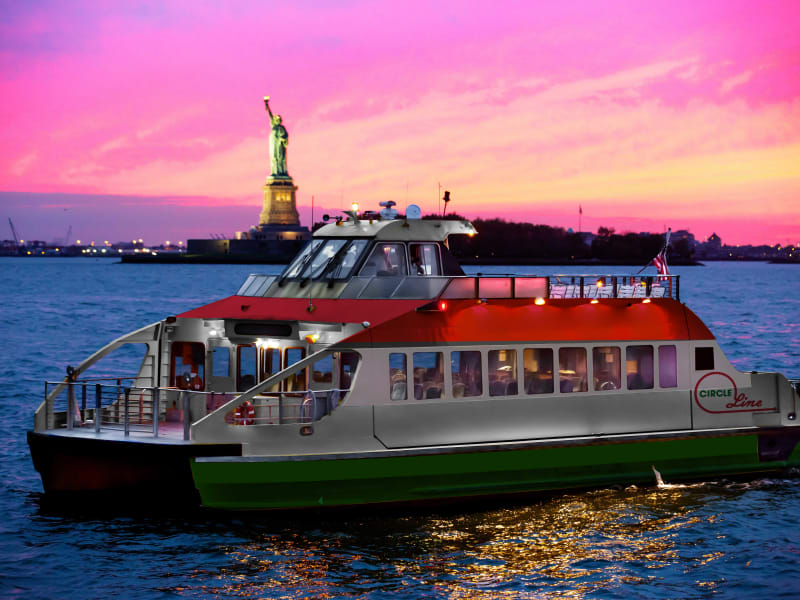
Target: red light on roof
{"points": [[442, 305]]}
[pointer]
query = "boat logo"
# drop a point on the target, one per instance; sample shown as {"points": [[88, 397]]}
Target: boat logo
{"points": [[716, 392]]}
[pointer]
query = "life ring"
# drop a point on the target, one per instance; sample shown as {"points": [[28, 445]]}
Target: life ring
{"points": [[245, 414]]}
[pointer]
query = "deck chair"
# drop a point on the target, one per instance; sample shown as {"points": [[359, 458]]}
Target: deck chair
{"points": [[657, 291], [625, 291], [640, 291], [573, 291], [558, 290]]}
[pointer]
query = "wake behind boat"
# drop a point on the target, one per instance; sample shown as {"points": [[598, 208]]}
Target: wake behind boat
{"points": [[373, 370]]}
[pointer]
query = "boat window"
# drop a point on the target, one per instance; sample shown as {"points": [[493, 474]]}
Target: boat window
{"points": [[428, 375], [322, 371], [270, 362], [607, 370], [466, 373], [398, 380], [572, 370], [322, 258], [503, 373], [385, 260], [538, 365], [246, 367], [221, 362], [667, 366], [298, 380], [704, 359], [301, 260], [639, 367], [188, 358], [424, 259], [348, 362], [348, 260]]}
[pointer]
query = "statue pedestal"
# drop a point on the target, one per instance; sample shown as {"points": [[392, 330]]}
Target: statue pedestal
{"points": [[279, 202]]}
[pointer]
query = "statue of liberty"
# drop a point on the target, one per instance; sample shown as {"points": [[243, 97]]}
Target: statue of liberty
{"points": [[278, 141]]}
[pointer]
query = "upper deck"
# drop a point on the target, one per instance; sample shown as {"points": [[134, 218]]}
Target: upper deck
{"points": [[410, 259]]}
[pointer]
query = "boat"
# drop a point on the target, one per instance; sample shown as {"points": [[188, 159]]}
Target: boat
{"points": [[374, 370]]}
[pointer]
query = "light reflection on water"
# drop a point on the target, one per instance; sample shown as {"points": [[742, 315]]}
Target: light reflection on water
{"points": [[605, 543]]}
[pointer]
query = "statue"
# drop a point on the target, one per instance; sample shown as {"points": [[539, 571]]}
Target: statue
{"points": [[278, 141]]}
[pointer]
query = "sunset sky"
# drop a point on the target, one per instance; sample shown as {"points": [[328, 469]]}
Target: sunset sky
{"points": [[146, 120]]}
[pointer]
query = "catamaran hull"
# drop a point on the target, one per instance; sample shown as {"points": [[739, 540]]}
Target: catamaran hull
{"points": [[301, 482], [131, 470]]}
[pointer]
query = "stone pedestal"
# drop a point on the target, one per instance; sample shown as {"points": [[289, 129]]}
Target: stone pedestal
{"points": [[279, 202]]}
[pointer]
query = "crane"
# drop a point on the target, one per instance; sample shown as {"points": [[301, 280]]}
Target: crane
{"points": [[66, 238], [13, 232]]}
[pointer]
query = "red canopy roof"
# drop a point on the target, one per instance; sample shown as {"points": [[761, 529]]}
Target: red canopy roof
{"points": [[325, 310]]}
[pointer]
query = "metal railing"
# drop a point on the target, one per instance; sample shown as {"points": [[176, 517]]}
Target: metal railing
{"points": [[157, 411], [492, 286], [286, 407]]}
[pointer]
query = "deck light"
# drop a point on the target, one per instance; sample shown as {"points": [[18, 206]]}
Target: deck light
{"points": [[646, 301], [539, 301], [312, 338], [600, 283], [594, 302], [354, 206]]}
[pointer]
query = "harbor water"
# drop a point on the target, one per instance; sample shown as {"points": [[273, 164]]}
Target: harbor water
{"points": [[718, 538]]}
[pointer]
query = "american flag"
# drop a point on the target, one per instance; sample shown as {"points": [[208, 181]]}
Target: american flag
{"points": [[660, 261]]}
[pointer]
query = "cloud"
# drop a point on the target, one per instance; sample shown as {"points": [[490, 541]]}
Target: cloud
{"points": [[736, 81]]}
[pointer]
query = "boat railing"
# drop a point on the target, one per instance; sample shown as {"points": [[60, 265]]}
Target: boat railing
{"points": [[133, 410], [591, 286], [286, 407]]}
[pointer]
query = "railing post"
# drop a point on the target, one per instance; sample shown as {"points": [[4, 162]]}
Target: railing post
{"points": [[70, 405], [677, 288], [127, 416], [98, 411], [280, 408], [186, 419], [614, 287], [156, 411], [83, 401]]}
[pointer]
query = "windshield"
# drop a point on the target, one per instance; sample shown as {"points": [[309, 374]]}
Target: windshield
{"points": [[301, 260], [326, 259]]}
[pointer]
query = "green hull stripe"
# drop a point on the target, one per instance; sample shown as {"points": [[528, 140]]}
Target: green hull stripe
{"points": [[252, 485]]}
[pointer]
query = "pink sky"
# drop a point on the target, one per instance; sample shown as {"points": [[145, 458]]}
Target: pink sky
{"points": [[143, 120]]}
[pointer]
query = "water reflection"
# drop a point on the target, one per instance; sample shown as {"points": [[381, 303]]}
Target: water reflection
{"points": [[570, 546]]}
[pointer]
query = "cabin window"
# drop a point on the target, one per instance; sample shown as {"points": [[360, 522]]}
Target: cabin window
{"points": [[428, 375], [572, 370], [270, 362], [385, 260], [221, 362], [398, 380], [298, 380], [607, 368], [301, 260], [466, 373], [348, 362], [246, 367], [322, 371], [639, 367], [349, 259], [323, 258], [503, 373], [667, 366], [704, 358], [188, 363], [538, 365], [424, 259]]}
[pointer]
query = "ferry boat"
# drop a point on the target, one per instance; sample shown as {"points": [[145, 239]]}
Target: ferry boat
{"points": [[373, 370]]}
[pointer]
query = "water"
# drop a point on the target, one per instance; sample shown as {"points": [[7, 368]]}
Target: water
{"points": [[718, 538]]}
